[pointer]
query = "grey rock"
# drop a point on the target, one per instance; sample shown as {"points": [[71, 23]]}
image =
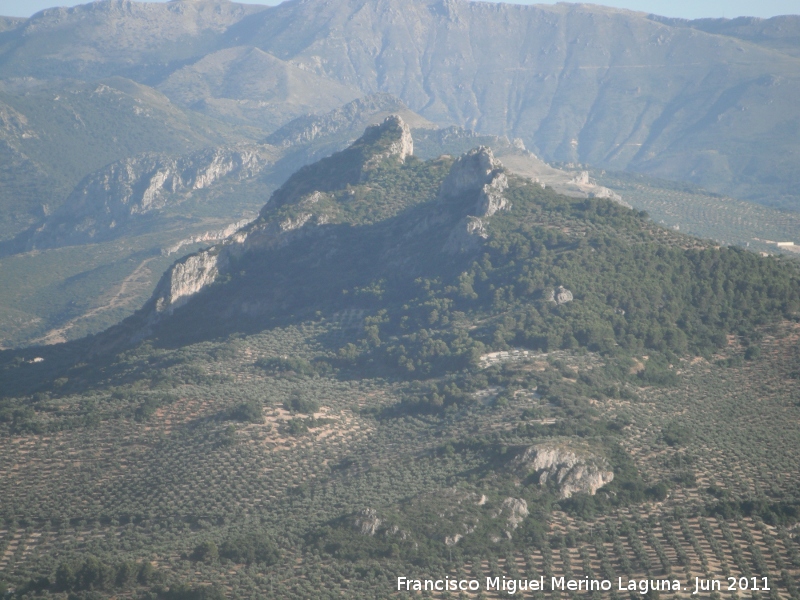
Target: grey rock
{"points": [[480, 178], [470, 173], [574, 469], [367, 522], [466, 236], [186, 278], [516, 510], [560, 296], [478, 171], [401, 146], [127, 190]]}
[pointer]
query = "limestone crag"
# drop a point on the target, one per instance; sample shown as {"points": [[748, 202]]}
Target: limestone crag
{"points": [[400, 144], [491, 198], [470, 173], [516, 510], [187, 277], [572, 469], [367, 522], [208, 236], [560, 296], [480, 178], [135, 187], [466, 236]]}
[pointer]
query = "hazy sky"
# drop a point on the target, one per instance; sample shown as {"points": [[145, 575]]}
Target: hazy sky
{"points": [[689, 9]]}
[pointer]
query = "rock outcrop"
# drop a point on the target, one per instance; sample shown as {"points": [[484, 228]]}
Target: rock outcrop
{"points": [[572, 469], [187, 277], [393, 136], [367, 522], [477, 178], [560, 296], [515, 510], [105, 201], [471, 173], [208, 236]]}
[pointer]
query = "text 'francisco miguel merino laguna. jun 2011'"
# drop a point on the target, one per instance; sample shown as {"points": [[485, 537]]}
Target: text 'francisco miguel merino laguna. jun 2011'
{"points": [[642, 586]]}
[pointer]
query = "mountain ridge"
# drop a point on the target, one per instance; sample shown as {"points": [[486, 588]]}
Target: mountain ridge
{"points": [[609, 88]]}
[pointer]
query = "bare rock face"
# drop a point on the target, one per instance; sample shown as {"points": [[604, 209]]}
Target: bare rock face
{"points": [[187, 277], [603, 192], [560, 296], [516, 510], [367, 522], [573, 469], [466, 236], [491, 198], [470, 173], [139, 186], [401, 144], [479, 175]]}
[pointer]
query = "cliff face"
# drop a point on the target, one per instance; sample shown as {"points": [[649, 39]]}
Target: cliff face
{"points": [[394, 137], [186, 278], [105, 201], [572, 469], [479, 179]]}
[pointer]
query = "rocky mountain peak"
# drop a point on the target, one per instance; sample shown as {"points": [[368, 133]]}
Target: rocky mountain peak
{"points": [[477, 173], [478, 180], [306, 129], [470, 172], [390, 138]]}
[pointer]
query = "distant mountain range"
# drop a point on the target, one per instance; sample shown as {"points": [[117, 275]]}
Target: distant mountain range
{"points": [[710, 101]]}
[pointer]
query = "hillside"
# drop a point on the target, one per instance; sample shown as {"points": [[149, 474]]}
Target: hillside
{"points": [[414, 368], [778, 33], [138, 40], [299, 300], [54, 133], [247, 85]]}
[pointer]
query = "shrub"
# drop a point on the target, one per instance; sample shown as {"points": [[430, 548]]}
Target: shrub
{"points": [[249, 412], [206, 552], [249, 549], [306, 406]]}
